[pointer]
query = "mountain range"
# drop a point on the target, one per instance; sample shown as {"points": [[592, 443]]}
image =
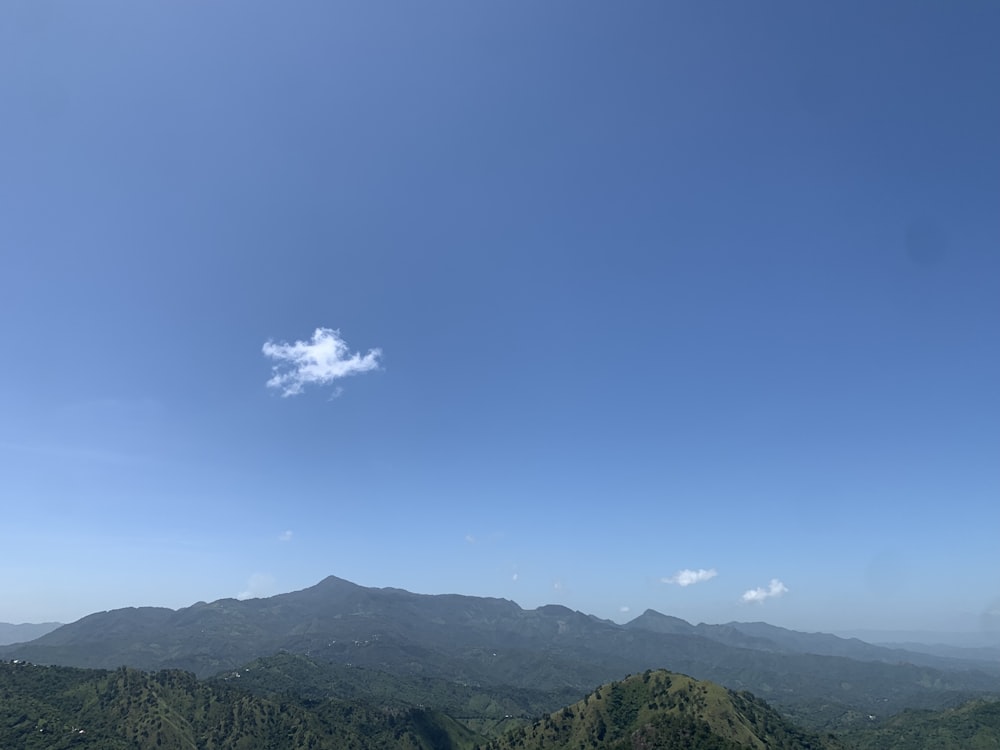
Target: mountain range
{"points": [[485, 644]]}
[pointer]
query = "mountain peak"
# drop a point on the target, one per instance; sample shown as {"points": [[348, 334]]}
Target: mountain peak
{"points": [[555, 609], [658, 622], [334, 581]]}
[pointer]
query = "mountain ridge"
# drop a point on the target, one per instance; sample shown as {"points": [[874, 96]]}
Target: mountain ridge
{"points": [[488, 641]]}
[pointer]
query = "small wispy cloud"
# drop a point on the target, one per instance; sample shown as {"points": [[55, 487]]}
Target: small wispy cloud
{"points": [[774, 589], [625, 608], [469, 539], [319, 361], [515, 577], [285, 536], [258, 585], [687, 577]]}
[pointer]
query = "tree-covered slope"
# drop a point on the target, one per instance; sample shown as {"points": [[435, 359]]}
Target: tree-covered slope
{"points": [[52, 708], [972, 726], [61, 707], [666, 711], [486, 709]]}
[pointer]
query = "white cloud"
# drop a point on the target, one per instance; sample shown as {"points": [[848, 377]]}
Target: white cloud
{"points": [[686, 577], [285, 536], [625, 608], [514, 577], [774, 589], [469, 539], [258, 585], [321, 360]]}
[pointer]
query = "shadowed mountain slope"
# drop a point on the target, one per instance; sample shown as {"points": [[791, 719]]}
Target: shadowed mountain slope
{"points": [[486, 709]]}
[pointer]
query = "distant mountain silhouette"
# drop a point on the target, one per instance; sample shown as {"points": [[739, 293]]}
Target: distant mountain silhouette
{"points": [[26, 631]]}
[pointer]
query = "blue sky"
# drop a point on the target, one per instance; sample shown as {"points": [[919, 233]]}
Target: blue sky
{"points": [[619, 293]]}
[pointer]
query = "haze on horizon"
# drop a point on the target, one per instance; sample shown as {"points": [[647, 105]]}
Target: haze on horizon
{"points": [[691, 307]]}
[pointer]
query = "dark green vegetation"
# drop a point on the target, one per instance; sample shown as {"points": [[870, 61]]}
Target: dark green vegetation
{"points": [[65, 707], [486, 709], [494, 647], [973, 726], [665, 711], [62, 707]]}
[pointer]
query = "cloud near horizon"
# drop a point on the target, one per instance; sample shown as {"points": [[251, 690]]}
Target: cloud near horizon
{"points": [[258, 585], [774, 589], [319, 361], [687, 576]]}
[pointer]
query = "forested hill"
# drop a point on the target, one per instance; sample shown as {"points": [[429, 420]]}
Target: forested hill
{"points": [[58, 708], [54, 708], [972, 726], [61, 707], [665, 711]]}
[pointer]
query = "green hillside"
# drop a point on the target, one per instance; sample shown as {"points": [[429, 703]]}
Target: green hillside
{"points": [[972, 726], [52, 708], [486, 709], [288, 702], [665, 711], [62, 707]]}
